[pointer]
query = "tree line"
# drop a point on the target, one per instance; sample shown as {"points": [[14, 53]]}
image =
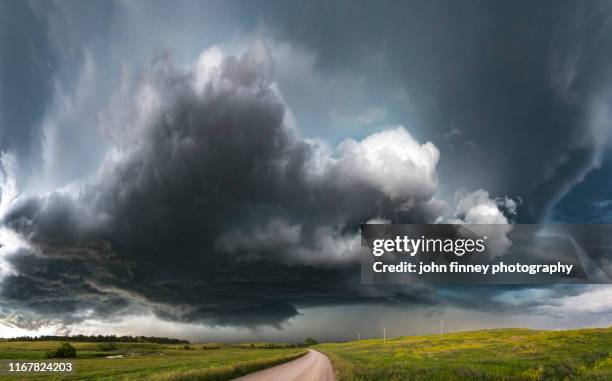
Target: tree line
{"points": [[102, 339]]}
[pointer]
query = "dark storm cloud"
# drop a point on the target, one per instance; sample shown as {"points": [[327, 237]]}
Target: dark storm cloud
{"points": [[591, 200], [519, 78], [57, 289], [195, 160], [26, 72], [209, 207], [47, 51], [495, 297]]}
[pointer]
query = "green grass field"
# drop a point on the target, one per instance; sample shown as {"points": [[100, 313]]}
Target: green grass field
{"points": [[500, 354], [139, 361]]}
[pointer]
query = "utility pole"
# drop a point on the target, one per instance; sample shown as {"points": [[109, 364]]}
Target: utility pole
{"points": [[442, 329], [384, 335], [359, 337]]}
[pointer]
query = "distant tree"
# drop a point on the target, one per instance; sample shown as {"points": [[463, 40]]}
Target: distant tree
{"points": [[64, 351], [186, 347], [310, 341]]}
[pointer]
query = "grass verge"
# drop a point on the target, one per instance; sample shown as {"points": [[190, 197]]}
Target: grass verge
{"points": [[227, 372]]}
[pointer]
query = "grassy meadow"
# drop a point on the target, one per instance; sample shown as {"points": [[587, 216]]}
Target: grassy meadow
{"points": [[499, 354], [155, 362]]}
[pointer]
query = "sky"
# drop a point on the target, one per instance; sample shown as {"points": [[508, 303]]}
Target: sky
{"points": [[201, 169]]}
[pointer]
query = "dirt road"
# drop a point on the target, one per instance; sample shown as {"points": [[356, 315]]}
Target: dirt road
{"points": [[313, 366]]}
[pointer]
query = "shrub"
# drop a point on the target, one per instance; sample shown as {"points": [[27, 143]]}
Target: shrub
{"points": [[64, 351], [186, 347], [105, 347]]}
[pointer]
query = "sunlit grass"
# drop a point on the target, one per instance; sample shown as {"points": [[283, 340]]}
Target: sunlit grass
{"points": [[500, 354], [142, 361]]}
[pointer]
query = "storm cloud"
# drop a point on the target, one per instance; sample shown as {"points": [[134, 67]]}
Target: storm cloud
{"points": [[201, 153], [526, 85]]}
